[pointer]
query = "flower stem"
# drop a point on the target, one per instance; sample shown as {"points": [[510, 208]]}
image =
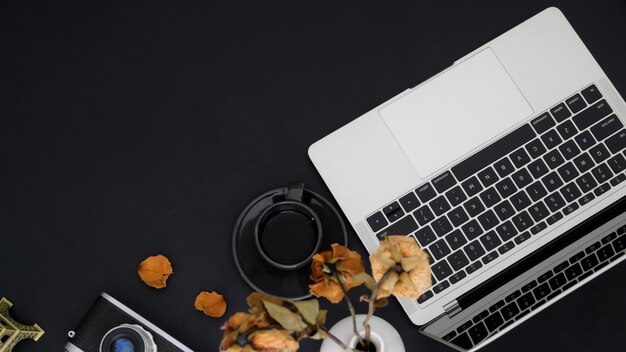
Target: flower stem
{"points": [[372, 301], [336, 340], [350, 306]]}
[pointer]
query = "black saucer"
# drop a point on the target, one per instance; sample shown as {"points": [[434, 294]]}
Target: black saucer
{"points": [[290, 284]]}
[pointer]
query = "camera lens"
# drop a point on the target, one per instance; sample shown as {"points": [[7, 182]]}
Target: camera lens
{"points": [[128, 338]]}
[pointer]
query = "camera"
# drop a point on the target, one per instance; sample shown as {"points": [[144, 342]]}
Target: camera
{"points": [[110, 326]]}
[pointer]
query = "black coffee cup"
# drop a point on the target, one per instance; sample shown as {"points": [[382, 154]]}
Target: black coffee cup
{"points": [[288, 233]]}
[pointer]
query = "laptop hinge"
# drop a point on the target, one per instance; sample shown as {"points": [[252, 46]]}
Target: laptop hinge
{"points": [[452, 308]]}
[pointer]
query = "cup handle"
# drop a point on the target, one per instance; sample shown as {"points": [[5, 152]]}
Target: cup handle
{"points": [[295, 191]]}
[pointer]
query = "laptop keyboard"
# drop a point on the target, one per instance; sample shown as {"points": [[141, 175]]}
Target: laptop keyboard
{"points": [[539, 290], [513, 189]]}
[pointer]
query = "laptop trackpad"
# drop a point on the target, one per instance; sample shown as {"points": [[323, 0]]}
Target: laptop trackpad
{"points": [[455, 112]]}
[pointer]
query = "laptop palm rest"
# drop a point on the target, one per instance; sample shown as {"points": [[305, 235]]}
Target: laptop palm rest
{"points": [[455, 112]]}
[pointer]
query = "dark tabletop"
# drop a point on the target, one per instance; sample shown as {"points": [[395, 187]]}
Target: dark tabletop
{"points": [[140, 129]]}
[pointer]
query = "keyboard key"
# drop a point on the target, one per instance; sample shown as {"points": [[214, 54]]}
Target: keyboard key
{"points": [[506, 231], [504, 210], [577, 257], [474, 250], [540, 226], [529, 286], [553, 159], [585, 140], [576, 103], [496, 306], [423, 215], [440, 205], [455, 240], [602, 173], [480, 316], [552, 181], [552, 219], [543, 123], [605, 252], [617, 163], [488, 177], [583, 162], [568, 172], [589, 262], [606, 127], [506, 247], [493, 152], [526, 301], [542, 291], [458, 216], [439, 249], [509, 311], [426, 192], [490, 257], [560, 112], [593, 247], [599, 153], [520, 200], [620, 244], [472, 186], [617, 180], [455, 196], [404, 227], [450, 336], [586, 183], [573, 271], [586, 199], [478, 333], [522, 178], [490, 197], [570, 192], [503, 167], [538, 168], [523, 237], [617, 142], [592, 114], [506, 187], [490, 241], [458, 276], [471, 230], [608, 238], [488, 220], [591, 94], [463, 341], [441, 226], [535, 148], [377, 221], [554, 202], [545, 276], [425, 296], [458, 260], [441, 286], [444, 182], [569, 150], [570, 208], [441, 270], [409, 202], [494, 321], [425, 236], [473, 267], [393, 211], [536, 191], [567, 130], [561, 266], [557, 281], [512, 296], [520, 158], [474, 206], [551, 139]]}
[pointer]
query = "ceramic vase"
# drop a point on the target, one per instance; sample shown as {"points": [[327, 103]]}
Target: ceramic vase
{"points": [[383, 335]]}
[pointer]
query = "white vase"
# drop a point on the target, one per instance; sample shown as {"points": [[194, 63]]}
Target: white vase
{"points": [[383, 335]]}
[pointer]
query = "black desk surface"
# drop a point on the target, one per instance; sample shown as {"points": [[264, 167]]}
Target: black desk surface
{"points": [[139, 129]]}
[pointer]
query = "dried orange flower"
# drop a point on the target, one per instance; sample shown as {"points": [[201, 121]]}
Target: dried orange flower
{"points": [[155, 271], [212, 304], [413, 275], [236, 326], [340, 262], [273, 341]]}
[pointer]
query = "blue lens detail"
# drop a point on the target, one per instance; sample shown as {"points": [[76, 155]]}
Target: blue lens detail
{"points": [[123, 345]]}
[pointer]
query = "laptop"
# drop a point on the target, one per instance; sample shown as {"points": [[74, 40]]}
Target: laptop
{"points": [[508, 168]]}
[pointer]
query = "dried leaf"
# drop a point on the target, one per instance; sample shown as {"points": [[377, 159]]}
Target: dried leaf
{"points": [[286, 318], [308, 309], [155, 271], [366, 279], [212, 304], [381, 302], [255, 301]]}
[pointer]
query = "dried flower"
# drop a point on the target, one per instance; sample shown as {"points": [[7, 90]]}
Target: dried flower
{"points": [[212, 304], [412, 276], [273, 341], [328, 266], [155, 271], [237, 325]]}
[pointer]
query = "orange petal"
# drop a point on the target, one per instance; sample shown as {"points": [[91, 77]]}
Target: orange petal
{"points": [[155, 271], [332, 291], [212, 304]]}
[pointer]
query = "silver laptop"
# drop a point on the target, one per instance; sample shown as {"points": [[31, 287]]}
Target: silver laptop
{"points": [[507, 167]]}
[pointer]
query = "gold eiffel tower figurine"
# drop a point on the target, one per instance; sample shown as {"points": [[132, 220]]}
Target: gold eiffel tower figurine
{"points": [[12, 332]]}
